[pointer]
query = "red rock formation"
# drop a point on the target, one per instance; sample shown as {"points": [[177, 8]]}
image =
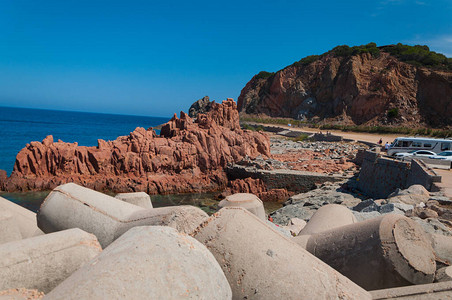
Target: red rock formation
{"points": [[257, 187], [358, 89], [188, 156]]}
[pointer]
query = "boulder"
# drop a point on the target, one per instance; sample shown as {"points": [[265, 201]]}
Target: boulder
{"points": [[283, 215], [25, 219], [328, 217], [148, 262], [248, 201], [138, 198], [421, 212], [259, 263], [366, 206], [444, 274], [295, 225], [73, 206], [442, 245], [44, 261], [385, 252], [413, 195], [432, 225]]}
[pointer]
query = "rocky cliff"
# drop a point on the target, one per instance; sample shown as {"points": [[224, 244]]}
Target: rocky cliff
{"points": [[360, 87], [188, 156]]}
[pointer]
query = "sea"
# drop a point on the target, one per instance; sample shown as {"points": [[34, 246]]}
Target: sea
{"points": [[19, 126]]}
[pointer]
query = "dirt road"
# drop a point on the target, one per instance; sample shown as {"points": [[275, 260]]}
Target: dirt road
{"points": [[357, 136]]}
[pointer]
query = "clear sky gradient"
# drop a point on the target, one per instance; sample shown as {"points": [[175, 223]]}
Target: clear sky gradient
{"points": [[157, 57]]}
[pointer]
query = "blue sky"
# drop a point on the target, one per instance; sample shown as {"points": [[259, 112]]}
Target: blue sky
{"points": [[156, 58]]}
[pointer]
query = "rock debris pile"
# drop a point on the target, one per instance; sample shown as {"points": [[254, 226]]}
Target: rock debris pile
{"points": [[321, 157], [93, 246]]}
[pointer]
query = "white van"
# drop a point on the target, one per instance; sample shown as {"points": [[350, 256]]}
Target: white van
{"points": [[406, 144]]}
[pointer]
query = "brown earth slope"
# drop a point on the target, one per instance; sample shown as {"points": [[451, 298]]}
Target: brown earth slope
{"points": [[188, 156], [357, 89]]}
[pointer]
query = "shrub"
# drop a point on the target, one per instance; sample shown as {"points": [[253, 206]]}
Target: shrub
{"points": [[264, 75], [393, 113], [419, 55], [301, 137], [346, 51]]}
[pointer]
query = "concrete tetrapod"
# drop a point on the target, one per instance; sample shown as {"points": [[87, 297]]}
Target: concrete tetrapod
{"points": [[328, 217], [259, 263], [73, 206], [8, 228], [138, 198], [148, 262], [25, 219], [379, 253], [44, 261], [248, 201]]}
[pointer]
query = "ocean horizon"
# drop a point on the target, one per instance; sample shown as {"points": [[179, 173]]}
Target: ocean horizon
{"points": [[19, 126]]}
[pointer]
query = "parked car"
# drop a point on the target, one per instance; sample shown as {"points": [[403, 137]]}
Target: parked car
{"points": [[447, 155], [414, 153]]}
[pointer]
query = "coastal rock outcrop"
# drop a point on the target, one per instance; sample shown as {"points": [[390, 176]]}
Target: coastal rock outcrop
{"points": [[359, 88], [201, 106], [188, 156]]}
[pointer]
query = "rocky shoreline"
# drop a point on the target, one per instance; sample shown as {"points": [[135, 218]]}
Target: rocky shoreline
{"points": [[329, 240], [188, 156]]}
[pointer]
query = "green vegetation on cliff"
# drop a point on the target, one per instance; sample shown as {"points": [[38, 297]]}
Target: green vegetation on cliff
{"points": [[418, 55], [346, 51], [264, 75]]}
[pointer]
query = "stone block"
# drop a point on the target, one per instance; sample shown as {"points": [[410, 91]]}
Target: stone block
{"points": [[259, 263], [138, 198], [148, 262], [25, 219], [369, 204], [248, 201], [73, 206], [385, 252], [328, 217], [44, 261]]}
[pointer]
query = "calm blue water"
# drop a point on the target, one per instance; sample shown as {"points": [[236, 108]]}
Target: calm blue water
{"points": [[19, 126]]}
